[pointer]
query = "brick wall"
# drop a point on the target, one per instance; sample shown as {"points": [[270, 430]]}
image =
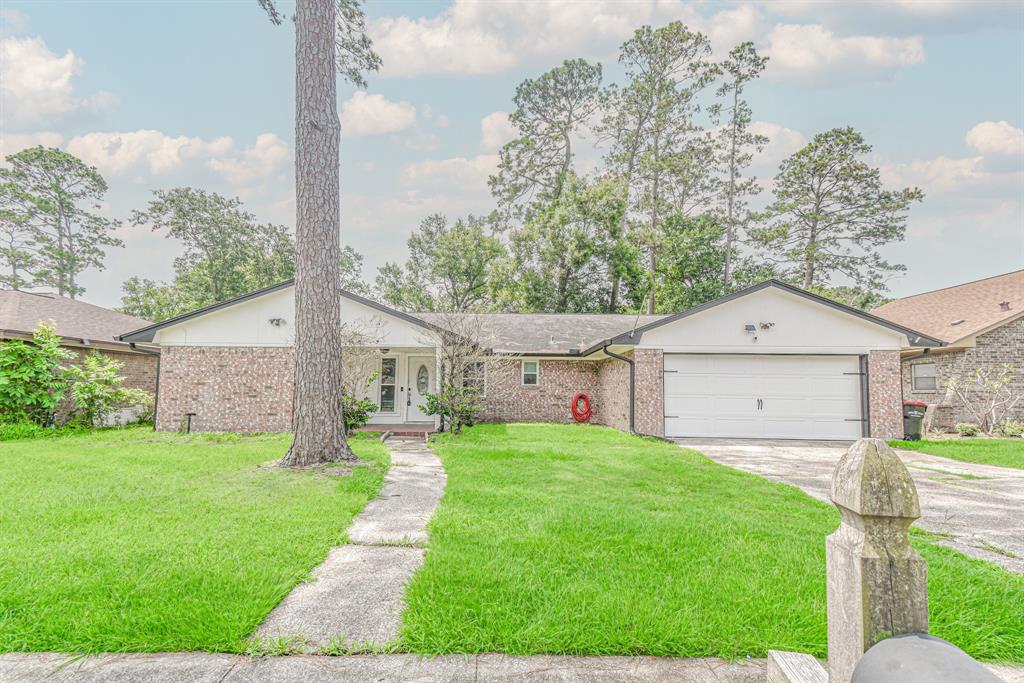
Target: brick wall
{"points": [[230, 389], [886, 394], [991, 350], [613, 395], [507, 400], [650, 391], [139, 371]]}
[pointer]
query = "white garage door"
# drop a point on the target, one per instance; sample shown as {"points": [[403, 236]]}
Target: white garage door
{"points": [[750, 396]]}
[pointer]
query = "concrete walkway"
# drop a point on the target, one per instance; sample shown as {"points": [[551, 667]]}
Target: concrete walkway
{"points": [[214, 668], [980, 508], [355, 598]]}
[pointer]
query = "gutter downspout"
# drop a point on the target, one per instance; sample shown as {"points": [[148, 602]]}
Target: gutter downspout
{"points": [[632, 385], [156, 396]]}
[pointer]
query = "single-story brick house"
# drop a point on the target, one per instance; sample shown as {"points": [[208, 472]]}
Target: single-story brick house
{"points": [[769, 361], [982, 326], [83, 328]]}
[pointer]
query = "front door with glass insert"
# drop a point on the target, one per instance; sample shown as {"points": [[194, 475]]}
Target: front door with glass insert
{"points": [[420, 382]]}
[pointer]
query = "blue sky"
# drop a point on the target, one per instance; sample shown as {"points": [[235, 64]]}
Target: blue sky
{"points": [[163, 94]]}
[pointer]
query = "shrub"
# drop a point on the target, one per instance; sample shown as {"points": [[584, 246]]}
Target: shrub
{"points": [[967, 429], [356, 411], [30, 430], [456, 405], [1011, 428], [32, 380], [96, 390]]}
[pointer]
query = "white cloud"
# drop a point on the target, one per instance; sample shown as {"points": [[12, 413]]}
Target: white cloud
{"points": [[950, 176], [363, 115], [119, 153], [12, 143], [257, 163], [782, 143], [812, 52], [36, 83], [495, 131], [996, 137], [457, 174], [471, 37]]}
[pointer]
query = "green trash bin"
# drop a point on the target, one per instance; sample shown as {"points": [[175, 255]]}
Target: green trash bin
{"points": [[913, 419]]}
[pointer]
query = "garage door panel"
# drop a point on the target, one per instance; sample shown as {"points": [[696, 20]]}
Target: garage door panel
{"points": [[801, 396]]}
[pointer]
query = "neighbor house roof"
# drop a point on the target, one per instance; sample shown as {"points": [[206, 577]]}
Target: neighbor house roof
{"points": [[955, 313], [76, 321], [556, 334]]}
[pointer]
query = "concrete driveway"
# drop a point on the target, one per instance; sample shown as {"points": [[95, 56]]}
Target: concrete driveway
{"points": [[979, 508]]}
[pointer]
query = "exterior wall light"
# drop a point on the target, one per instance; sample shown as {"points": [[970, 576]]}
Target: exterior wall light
{"points": [[277, 322]]}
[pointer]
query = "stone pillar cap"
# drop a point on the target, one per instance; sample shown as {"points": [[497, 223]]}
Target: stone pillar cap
{"points": [[871, 480]]}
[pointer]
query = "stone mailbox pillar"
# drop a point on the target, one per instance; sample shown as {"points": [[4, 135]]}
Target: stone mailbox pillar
{"points": [[877, 583]]}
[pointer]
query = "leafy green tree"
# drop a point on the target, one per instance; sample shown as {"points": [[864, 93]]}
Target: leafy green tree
{"points": [[857, 297], [152, 300], [690, 268], [218, 236], [449, 267], [32, 381], [650, 125], [550, 110], [51, 198], [18, 255], [831, 214], [562, 253], [737, 143]]}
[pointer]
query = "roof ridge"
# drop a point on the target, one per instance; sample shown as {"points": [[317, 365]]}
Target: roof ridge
{"points": [[962, 284]]}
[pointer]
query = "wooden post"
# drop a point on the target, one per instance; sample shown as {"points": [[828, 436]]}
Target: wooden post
{"points": [[877, 583]]}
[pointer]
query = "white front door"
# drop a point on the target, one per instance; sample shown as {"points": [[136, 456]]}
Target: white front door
{"points": [[762, 396], [420, 381]]}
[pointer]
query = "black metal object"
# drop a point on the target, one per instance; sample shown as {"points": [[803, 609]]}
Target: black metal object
{"points": [[188, 422], [919, 657]]}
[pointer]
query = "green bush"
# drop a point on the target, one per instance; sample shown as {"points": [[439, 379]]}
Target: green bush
{"points": [[458, 406], [1011, 428], [967, 429], [96, 390], [32, 381], [356, 411]]}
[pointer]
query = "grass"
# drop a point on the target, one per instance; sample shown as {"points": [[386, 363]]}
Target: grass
{"points": [[1001, 452], [129, 540], [584, 540]]}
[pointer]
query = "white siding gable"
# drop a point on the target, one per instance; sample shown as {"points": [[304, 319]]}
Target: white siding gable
{"points": [[799, 325], [248, 324]]}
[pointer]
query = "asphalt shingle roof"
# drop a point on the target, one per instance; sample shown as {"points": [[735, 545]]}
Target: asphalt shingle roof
{"points": [[953, 313], [23, 311], [546, 333]]}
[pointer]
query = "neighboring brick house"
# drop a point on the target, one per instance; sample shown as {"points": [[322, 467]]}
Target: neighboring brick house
{"points": [[83, 328], [771, 361], [982, 325]]}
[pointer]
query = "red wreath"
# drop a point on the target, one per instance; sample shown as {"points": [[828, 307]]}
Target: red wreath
{"points": [[578, 414]]}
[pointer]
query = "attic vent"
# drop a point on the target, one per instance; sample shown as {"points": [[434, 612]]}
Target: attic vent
{"points": [[957, 322], [1004, 305]]}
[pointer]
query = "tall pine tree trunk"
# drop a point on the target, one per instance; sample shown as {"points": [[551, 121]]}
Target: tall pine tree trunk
{"points": [[319, 430]]}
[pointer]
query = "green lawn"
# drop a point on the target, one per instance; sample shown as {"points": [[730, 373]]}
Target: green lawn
{"points": [[584, 540], [1002, 452], [131, 540]]}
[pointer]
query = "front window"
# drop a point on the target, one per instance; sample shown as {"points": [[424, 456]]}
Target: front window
{"points": [[388, 367], [923, 377], [473, 376], [531, 373]]}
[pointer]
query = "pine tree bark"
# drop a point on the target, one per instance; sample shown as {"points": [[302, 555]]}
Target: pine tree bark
{"points": [[317, 420]]}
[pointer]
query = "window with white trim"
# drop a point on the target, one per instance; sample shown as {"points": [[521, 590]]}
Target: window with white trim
{"points": [[531, 373], [923, 377], [474, 375], [388, 373]]}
